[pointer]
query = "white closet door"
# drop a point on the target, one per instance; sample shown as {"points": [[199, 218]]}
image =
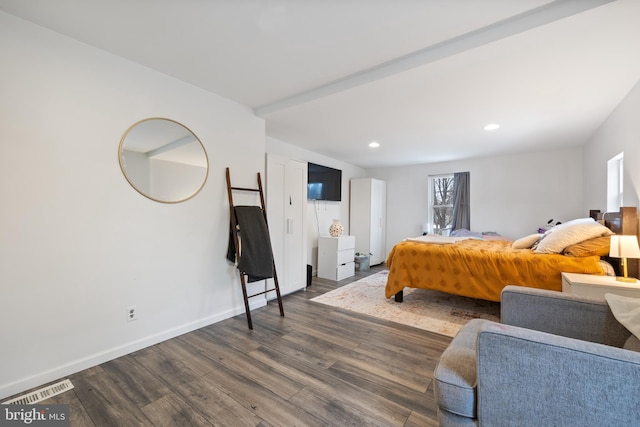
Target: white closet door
{"points": [[378, 213], [295, 253], [286, 212]]}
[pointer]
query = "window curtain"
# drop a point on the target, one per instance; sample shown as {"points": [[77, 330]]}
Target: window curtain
{"points": [[461, 208]]}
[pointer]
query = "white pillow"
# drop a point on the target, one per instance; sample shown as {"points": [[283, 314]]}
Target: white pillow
{"points": [[626, 310], [569, 224], [569, 234], [526, 242]]}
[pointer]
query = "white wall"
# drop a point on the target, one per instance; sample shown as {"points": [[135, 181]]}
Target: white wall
{"points": [[512, 195], [619, 133], [79, 244], [320, 214]]}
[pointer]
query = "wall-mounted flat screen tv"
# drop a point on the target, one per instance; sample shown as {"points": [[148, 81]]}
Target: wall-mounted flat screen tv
{"points": [[324, 183]]}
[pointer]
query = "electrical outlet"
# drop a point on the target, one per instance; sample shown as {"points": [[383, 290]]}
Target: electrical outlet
{"points": [[132, 313]]}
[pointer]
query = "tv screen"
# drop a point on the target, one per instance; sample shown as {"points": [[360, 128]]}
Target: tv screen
{"points": [[324, 183]]}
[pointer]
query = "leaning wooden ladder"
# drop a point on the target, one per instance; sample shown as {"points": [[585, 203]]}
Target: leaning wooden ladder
{"points": [[236, 240]]}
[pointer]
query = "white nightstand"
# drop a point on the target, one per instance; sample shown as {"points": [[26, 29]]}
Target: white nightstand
{"points": [[589, 285], [336, 257]]}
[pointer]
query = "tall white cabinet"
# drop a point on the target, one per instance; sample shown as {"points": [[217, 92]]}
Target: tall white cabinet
{"points": [[367, 217], [286, 200]]}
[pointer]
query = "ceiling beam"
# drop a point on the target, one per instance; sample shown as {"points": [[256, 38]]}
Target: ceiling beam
{"points": [[516, 24]]}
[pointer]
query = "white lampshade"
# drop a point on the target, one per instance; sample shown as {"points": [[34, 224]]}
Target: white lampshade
{"points": [[624, 247]]}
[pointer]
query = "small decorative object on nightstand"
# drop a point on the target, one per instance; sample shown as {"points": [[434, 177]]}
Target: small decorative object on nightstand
{"points": [[624, 247], [590, 285], [336, 228]]}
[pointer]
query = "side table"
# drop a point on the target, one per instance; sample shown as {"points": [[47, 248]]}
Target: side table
{"points": [[590, 285]]}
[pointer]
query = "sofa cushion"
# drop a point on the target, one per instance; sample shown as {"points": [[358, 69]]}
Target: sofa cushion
{"points": [[456, 374]]}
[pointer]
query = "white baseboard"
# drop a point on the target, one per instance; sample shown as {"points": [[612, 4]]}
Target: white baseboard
{"points": [[59, 372]]}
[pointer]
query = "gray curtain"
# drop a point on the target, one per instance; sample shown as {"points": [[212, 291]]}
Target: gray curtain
{"points": [[461, 208]]}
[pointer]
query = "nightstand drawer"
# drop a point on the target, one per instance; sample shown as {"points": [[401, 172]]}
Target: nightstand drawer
{"points": [[345, 256], [345, 242], [346, 270]]}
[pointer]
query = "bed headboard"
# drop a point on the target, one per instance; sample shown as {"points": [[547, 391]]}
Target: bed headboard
{"points": [[623, 222]]}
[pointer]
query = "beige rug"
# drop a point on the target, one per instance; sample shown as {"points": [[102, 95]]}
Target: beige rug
{"points": [[430, 310]]}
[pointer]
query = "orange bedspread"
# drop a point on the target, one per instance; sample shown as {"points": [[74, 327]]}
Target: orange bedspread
{"points": [[479, 268]]}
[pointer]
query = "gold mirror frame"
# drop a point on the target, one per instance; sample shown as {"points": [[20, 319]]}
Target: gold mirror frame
{"points": [[163, 160]]}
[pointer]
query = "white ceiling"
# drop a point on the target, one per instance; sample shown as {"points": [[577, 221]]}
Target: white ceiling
{"points": [[421, 77]]}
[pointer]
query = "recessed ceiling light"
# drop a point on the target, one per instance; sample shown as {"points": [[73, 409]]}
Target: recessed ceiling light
{"points": [[492, 126], [374, 144]]}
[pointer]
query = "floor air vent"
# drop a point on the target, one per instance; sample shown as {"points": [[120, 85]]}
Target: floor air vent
{"points": [[42, 394]]}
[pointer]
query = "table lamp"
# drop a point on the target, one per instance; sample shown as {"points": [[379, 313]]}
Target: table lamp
{"points": [[624, 247]]}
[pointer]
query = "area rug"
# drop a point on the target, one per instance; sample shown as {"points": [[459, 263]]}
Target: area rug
{"points": [[429, 310]]}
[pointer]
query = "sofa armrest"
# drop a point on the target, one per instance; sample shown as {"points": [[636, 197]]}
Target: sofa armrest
{"points": [[564, 314], [542, 379]]}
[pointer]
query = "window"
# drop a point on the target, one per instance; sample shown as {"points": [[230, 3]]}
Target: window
{"points": [[614, 183], [440, 204]]}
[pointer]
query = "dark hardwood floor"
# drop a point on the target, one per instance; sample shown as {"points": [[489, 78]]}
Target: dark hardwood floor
{"points": [[317, 366]]}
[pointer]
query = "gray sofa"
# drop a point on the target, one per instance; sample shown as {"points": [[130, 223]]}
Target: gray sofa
{"points": [[555, 359]]}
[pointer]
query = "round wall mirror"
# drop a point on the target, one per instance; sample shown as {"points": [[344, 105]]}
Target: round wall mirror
{"points": [[163, 160]]}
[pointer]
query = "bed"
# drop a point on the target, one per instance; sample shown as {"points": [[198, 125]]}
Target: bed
{"points": [[482, 268]]}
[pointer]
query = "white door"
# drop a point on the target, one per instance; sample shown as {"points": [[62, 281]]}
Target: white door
{"points": [[295, 253], [286, 200], [378, 213]]}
